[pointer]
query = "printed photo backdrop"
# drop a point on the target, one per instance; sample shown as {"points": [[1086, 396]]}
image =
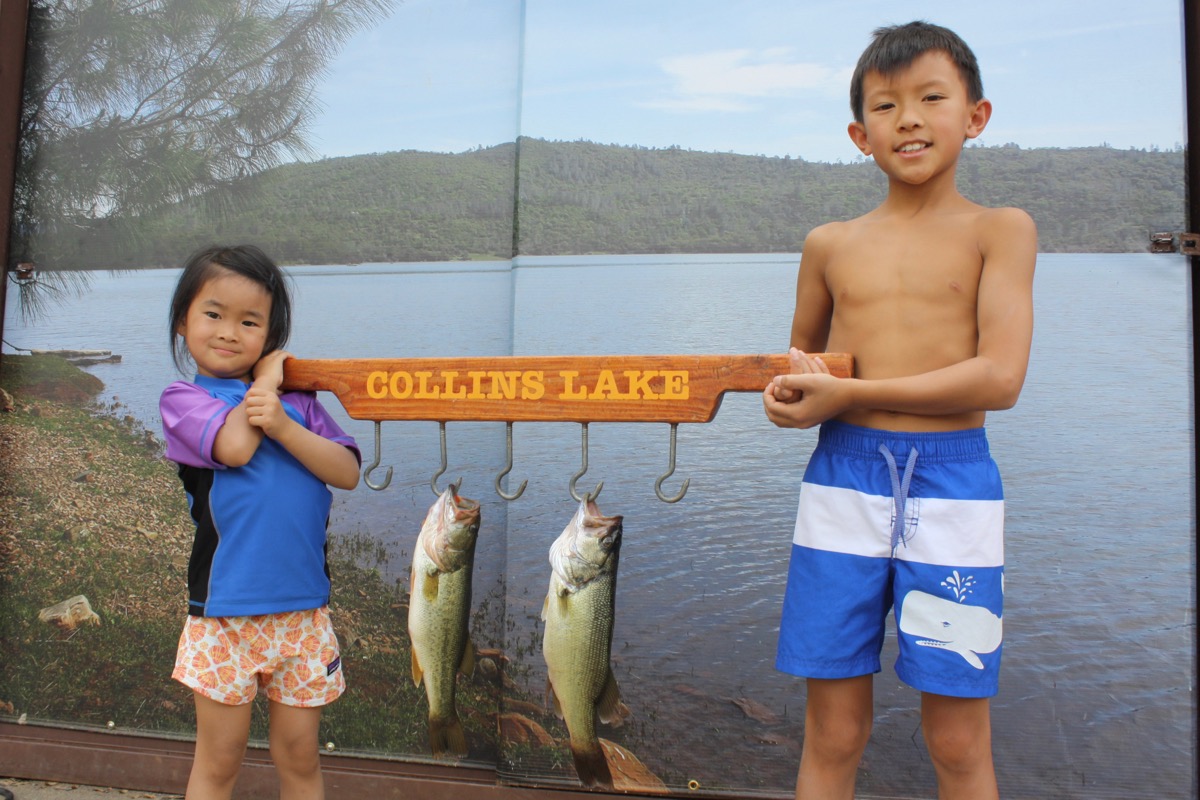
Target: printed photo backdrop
{"points": [[591, 179]]}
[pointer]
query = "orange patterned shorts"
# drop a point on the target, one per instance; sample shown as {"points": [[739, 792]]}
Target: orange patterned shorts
{"points": [[293, 656]]}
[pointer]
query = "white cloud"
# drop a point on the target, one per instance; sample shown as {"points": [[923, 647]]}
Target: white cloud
{"points": [[698, 104], [724, 80]]}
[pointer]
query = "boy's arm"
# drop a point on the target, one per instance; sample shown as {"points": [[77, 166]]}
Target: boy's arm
{"points": [[814, 310], [991, 380], [814, 305], [331, 462]]}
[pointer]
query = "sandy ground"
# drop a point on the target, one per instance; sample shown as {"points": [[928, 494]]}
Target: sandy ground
{"points": [[54, 790]]}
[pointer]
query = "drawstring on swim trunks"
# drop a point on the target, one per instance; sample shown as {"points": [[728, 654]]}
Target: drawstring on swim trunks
{"points": [[899, 491]]}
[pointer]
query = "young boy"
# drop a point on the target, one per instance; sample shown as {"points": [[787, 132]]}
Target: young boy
{"points": [[901, 504]]}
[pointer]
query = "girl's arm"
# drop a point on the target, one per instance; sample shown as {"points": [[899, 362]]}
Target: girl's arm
{"points": [[238, 440], [331, 462]]}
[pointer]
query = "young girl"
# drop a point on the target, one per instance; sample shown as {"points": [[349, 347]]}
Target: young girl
{"points": [[255, 463]]}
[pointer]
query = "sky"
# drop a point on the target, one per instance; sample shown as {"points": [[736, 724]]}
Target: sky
{"points": [[757, 77]]}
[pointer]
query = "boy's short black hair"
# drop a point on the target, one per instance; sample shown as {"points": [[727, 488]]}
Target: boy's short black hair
{"points": [[895, 47], [245, 260]]}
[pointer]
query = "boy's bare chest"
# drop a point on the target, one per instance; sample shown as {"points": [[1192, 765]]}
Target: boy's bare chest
{"points": [[900, 271]]}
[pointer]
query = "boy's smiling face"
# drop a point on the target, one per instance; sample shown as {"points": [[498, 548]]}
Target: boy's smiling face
{"points": [[915, 121]]}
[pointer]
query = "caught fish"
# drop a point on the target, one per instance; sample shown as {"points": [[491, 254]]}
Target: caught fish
{"points": [[577, 641], [438, 610]]}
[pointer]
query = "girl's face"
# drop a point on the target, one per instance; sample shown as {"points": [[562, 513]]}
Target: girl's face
{"points": [[226, 326]]}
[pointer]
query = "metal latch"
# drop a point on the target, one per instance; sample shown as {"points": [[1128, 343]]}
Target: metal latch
{"points": [[1167, 242]]}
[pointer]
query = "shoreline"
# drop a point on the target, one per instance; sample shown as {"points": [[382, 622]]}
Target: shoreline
{"points": [[89, 506]]}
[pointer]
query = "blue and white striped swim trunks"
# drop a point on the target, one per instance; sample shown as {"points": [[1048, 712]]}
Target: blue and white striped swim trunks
{"points": [[911, 520]]}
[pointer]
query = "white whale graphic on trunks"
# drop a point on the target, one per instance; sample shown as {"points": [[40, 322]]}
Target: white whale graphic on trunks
{"points": [[938, 622]]}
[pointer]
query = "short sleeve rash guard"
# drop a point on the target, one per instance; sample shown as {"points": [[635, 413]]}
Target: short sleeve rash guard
{"points": [[260, 528]]}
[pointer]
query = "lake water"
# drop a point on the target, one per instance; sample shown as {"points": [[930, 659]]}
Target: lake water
{"points": [[1097, 693]]}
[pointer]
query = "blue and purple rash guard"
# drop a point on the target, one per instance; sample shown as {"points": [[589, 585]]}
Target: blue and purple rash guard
{"points": [[260, 528]]}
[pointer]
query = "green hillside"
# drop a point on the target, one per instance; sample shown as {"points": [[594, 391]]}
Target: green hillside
{"points": [[581, 197]]}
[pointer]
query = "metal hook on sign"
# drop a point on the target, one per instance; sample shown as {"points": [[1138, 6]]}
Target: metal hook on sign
{"points": [[438, 474], [508, 468], [387, 476], [575, 478], [670, 470]]}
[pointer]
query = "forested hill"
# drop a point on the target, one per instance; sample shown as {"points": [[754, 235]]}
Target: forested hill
{"points": [[580, 197]]}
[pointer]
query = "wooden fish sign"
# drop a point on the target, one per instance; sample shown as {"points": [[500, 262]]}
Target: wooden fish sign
{"points": [[652, 388]]}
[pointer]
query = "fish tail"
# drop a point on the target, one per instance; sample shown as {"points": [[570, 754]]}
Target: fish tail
{"points": [[592, 766], [446, 736]]}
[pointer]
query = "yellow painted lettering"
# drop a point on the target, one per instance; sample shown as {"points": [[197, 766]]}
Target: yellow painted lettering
{"points": [[569, 391], [504, 385], [424, 391], [606, 387], [533, 385], [675, 384], [451, 392], [639, 384], [377, 385], [476, 392], [399, 378]]}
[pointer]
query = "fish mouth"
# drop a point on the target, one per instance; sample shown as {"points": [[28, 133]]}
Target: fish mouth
{"points": [[456, 507], [450, 529], [610, 533], [606, 531], [597, 525], [460, 523], [932, 643], [593, 518], [465, 509]]}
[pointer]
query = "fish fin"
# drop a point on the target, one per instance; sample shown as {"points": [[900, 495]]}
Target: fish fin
{"points": [[546, 607], [417, 672], [610, 708], [446, 736], [429, 587], [467, 665], [972, 659], [592, 767], [552, 699]]}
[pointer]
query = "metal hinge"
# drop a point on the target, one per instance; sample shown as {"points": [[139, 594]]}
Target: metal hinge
{"points": [[1167, 242]]}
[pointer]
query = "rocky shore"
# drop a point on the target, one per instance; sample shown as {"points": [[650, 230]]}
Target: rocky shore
{"points": [[80, 483]]}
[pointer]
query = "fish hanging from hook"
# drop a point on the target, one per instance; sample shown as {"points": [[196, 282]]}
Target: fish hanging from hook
{"points": [[578, 615], [584, 468], [433, 481]]}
